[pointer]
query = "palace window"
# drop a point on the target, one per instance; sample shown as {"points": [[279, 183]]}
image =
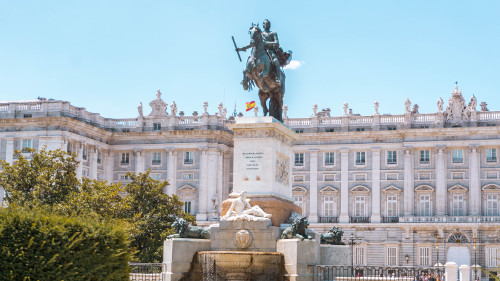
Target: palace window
{"points": [[156, 158], [359, 206], [424, 156], [99, 160], [392, 157], [26, 144], [156, 127], [329, 158], [391, 256], [493, 256], [187, 207], [425, 205], [299, 159], [457, 205], [424, 256], [491, 155], [187, 176], [68, 148], [492, 205], [359, 255], [328, 206], [392, 206], [84, 152], [125, 159], [360, 158], [458, 156], [155, 176], [299, 201], [188, 158], [124, 177]]}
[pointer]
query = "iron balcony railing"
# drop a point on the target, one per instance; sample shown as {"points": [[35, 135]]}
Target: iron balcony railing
{"points": [[328, 219], [390, 219], [360, 219], [146, 272]]}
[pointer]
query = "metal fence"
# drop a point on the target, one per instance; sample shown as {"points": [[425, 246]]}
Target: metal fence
{"points": [[146, 272], [370, 273]]}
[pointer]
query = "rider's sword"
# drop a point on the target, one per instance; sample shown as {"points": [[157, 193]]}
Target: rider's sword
{"points": [[236, 48]]}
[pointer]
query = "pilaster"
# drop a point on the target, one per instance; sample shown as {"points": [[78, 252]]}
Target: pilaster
{"points": [[474, 181], [9, 151], [109, 165], [203, 188], [313, 186], [441, 190], [375, 185], [171, 171], [139, 161], [409, 189], [79, 158], [93, 163], [344, 185]]}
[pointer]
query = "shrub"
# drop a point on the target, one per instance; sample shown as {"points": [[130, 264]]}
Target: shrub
{"points": [[35, 245]]}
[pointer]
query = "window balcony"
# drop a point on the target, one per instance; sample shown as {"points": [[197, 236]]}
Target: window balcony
{"points": [[328, 219], [390, 219], [360, 219], [453, 219]]}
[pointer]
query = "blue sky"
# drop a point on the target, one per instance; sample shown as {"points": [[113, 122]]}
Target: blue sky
{"points": [[108, 56]]}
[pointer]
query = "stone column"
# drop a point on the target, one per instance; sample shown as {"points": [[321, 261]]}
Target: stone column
{"points": [[93, 163], [409, 188], [212, 179], [227, 168], [79, 158], [344, 185], [474, 182], [139, 161], [220, 179], [375, 185], [313, 186], [9, 151], [203, 188], [171, 171], [441, 191], [108, 158]]}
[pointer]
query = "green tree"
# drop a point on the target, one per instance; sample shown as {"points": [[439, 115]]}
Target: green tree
{"points": [[151, 213], [48, 181], [48, 178]]}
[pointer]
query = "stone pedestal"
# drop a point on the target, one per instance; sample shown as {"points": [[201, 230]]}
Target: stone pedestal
{"points": [[178, 255], [339, 255], [451, 269], [299, 256], [257, 236], [263, 158]]}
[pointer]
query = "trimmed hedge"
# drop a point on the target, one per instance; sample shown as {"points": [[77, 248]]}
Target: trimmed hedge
{"points": [[35, 245]]}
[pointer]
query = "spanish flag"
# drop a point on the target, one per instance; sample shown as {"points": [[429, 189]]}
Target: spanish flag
{"points": [[250, 105]]}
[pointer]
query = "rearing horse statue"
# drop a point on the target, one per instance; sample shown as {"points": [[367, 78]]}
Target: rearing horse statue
{"points": [[261, 72]]}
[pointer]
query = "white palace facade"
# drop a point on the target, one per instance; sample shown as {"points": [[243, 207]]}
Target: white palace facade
{"points": [[414, 189]]}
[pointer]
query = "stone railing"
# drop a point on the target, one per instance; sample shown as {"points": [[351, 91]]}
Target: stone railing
{"points": [[53, 108]]}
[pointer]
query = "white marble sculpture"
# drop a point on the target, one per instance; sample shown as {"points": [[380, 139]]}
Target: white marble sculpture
{"points": [[241, 210]]}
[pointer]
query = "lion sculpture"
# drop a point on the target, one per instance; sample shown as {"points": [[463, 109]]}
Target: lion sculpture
{"points": [[333, 236], [298, 229], [183, 230]]}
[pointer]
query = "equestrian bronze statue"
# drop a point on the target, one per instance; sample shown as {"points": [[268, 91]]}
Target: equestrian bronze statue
{"points": [[263, 68]]}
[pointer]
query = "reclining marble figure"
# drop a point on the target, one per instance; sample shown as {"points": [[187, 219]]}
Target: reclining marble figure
{"points": [[241, 210]]}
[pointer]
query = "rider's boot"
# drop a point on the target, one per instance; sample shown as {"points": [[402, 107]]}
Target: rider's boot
{"points": [[278, 72]]}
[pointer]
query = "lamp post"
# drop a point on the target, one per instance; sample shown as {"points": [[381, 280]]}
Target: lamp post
{"points": [[437, 248], [475, 260], [351, 242]]}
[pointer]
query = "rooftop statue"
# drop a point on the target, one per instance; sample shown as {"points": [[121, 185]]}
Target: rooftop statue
{"points": [[241, 210], [263, 68]]}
